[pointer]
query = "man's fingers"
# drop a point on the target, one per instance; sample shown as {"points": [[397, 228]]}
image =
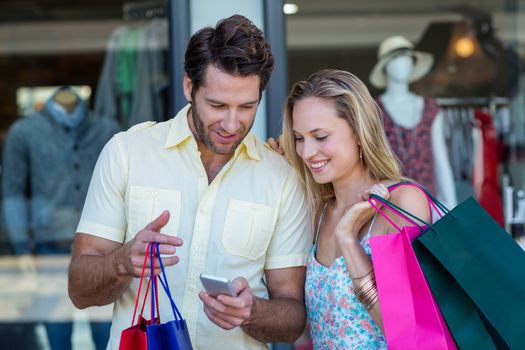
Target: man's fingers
{"points": [[161, 221], [240, 284], [239, 302], [147, 271], [168, 243], [222, 313], [231, 321], [218, 321]]}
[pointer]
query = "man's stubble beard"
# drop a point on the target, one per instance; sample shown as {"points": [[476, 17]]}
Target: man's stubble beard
{"points": [[203, 137]]}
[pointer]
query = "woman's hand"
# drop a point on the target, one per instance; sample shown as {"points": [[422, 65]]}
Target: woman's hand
{"points": [[359, 214], [276, 145]]}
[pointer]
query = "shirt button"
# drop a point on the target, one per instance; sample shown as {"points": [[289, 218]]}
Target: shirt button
{"points": [[77, 187], [204, 211], [192, 288], [155, 193], [198, 249], [202, 174]]}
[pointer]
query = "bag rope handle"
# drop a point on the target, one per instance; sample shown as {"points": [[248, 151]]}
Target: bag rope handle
{"points": [[140, 288], [164, 282]]}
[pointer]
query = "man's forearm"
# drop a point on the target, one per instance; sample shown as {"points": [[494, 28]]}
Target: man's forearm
{"points": [[276, 320], [96, 280]]}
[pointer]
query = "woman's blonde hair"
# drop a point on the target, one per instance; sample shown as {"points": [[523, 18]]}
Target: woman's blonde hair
{"points": [[353, 103]]}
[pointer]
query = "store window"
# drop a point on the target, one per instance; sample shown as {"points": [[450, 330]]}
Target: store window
{"points": [[470, 55], [476, 78], [73, 74]]}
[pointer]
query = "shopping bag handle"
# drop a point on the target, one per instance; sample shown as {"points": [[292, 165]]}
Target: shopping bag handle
{"points": [[438, 206], [431, 199], [395, 210], [432, 203], [164, 282], [154, 285], [140, 288]]}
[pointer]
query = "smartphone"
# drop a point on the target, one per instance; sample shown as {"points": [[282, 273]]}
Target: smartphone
{"points": [[214, 285]]}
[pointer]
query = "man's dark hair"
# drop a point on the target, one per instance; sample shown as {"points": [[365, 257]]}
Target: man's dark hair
{"points": [[235, 46]]}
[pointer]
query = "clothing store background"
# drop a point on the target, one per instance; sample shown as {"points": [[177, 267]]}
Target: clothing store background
{"points": [[47, 44]]}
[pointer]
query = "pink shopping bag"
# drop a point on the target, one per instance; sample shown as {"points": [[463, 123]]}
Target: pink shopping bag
{"points": [[411, 317]]}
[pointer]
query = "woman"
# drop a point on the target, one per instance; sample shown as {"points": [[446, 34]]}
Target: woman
{"points": [[334, 138]]}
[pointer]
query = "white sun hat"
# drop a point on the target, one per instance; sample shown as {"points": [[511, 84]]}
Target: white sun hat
{"points": [[392, 47]]}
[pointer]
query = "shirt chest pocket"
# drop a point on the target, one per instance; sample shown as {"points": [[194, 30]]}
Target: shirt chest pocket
{"points": [[147, 203], [248, 228]]}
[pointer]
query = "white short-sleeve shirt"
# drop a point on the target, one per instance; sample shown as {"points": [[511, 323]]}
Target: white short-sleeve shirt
{"points": [[252, 217]]}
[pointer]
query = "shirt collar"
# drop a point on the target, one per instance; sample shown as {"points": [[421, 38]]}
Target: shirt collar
{"points": [[250, 144], [180, 131]]}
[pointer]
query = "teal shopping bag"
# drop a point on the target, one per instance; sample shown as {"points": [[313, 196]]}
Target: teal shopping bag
{"points": [[461, 314], [477, 274]]}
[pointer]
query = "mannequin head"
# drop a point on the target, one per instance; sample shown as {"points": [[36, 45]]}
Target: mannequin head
{"points": [[395, 47], [399, 68], [67, 98]]}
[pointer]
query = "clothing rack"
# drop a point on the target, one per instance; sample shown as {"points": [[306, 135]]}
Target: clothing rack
{"points": [[459, 107], [472, 101], [491, 102], [145, 9]]}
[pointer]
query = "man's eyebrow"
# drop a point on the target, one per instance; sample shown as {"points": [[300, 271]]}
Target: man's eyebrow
{"points": [[212, 100]]}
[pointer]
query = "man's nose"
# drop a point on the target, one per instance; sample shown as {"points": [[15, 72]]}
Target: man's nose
{"points": [[231, 122]]}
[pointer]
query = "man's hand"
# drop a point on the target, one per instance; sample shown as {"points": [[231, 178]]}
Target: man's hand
{"points": [[229, 312], [132, 253]]}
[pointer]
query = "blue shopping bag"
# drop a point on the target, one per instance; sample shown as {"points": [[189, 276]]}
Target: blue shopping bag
{"points": [[173, 334]]}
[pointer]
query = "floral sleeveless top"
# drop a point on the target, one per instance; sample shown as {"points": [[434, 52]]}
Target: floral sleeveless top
{"points": [[413, 146], [337, 319]]}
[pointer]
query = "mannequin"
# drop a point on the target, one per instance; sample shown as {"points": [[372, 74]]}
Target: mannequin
{"points": [[67, 98], [414, 124], [48, 158]]}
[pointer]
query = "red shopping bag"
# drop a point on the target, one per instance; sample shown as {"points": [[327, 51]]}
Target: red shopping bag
{"points": [[411, 317], [135, 337]]}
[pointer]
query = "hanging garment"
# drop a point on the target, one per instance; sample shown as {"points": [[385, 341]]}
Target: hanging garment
{"points": [[459, 128], [490, 196], [106, 105], [413, 146], [132, 87], [151, 84]]}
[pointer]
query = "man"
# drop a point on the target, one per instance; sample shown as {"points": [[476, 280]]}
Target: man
{"points": [[236, 205]]}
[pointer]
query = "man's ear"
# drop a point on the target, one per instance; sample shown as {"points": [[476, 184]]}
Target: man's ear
{"points": [[187, 86]]}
